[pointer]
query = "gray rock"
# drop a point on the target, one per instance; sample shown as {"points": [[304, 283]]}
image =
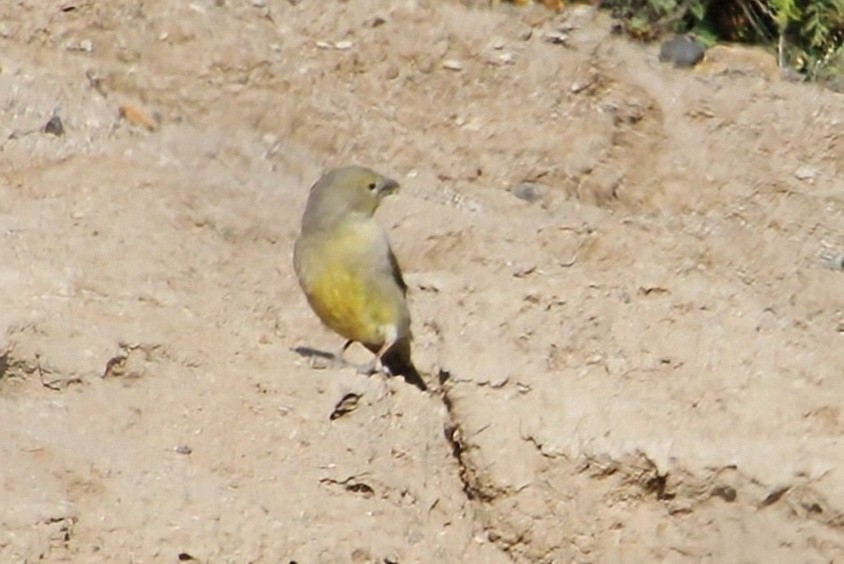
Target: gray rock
{"points": [[530, 192], [683, 51]]}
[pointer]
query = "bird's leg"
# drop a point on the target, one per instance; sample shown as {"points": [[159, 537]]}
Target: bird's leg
{"points": [[338, 357], [381, 352], [375, 365]]}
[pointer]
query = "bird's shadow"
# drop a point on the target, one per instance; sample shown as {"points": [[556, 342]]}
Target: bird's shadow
{"points": [[322, 359], [314, 354]]}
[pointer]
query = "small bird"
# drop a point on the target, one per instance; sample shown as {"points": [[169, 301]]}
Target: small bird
{"points": [[349, 273]]}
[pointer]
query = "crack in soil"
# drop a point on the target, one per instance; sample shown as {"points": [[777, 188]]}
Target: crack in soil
{"points": [[453, 432], [475, 492]]}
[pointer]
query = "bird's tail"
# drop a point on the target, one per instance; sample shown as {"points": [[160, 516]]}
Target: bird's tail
{"points": [[397, 360]]}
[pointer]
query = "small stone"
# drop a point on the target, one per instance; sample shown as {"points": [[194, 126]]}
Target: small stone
{"points": [[497, 44], [579, 86], [521, 271], [392, 72], [259, 3], [833, 261], [343, 45], [806, 173], [453, 65], [682, 50], [85, 45], [557, 38], [137, 116], [530, 192], [727, 493], [54, 126], [347, 404], [506, 58], [183, 449]]}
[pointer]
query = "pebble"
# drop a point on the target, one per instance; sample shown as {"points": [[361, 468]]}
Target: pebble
{"points": [[578, 87], [530, 192], [375, 21], [683, 51], [497, 44], [453, 64], [85, 45], [806, 173], [556, 38], [833, 261], [137, 116], [506, 57], [54, 126]]}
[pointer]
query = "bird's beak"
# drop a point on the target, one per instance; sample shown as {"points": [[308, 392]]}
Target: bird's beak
{"points": [[388, 186]]}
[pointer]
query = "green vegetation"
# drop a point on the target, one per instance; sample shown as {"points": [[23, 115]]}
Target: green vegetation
{"points": [[807, 34]]}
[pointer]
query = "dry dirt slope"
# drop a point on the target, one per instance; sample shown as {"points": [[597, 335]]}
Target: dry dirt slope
{"points": [[642, 364]]}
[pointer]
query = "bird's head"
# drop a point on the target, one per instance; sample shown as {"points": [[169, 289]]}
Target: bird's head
{"points": [[351, 190]]}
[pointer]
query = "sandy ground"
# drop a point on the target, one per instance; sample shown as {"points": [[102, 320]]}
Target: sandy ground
{"points": [[622, 278]]}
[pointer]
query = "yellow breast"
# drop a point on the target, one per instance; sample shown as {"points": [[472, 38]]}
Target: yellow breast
{"points": [[348, 282], [343, 302]]}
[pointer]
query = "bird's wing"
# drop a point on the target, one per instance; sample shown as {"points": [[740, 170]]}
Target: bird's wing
{"points": [[394, 267]]}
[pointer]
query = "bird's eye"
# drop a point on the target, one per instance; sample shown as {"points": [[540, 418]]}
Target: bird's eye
{"points": [[372, 186]]}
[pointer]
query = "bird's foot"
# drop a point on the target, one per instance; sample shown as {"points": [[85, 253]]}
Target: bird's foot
{"points": [[367, 369], [372, 367]]}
